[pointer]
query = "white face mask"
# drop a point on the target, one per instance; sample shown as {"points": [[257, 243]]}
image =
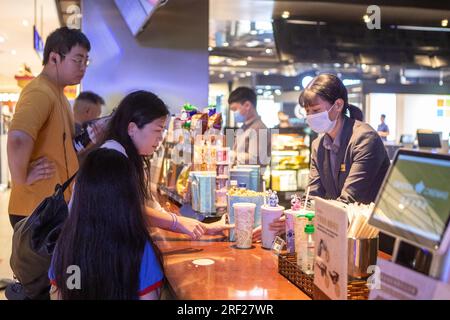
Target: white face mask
{"points": [[320, 122]]}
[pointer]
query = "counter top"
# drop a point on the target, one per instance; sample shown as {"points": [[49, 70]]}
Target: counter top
{"points": [[247, 274]]}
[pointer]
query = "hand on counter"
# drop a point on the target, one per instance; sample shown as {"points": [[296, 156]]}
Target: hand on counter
{"points": [[193, 228], [219, 226], [278, 225]]}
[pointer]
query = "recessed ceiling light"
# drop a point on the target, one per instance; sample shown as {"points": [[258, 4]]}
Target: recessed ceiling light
{"points": [[13, 52], [225, 44], [278, 92], [267, 40], [242, 75], [249, 58], [297, 88], [441, 83], [381, 80], [285, 14], [444, 23], [210, 48], [2, 39], [337, 65], [252, 44], [260, 91], [221, 76], [387, 67], [248, 73], [266, 72], [314, 65], [211, 73], [267, 87], [253, 32], [25, 23], [233, 72], [269, 51]]}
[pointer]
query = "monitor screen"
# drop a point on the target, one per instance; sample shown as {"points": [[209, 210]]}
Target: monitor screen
{"points": [[429, 140], [414, 201], [136, 12]]}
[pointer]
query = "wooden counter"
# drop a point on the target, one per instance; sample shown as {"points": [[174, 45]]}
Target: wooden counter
{"points": [[247, 274]]}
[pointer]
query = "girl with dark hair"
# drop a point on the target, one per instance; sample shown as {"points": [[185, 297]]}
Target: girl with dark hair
{"points": [[348, 160], [105, 236], [98, 237]]}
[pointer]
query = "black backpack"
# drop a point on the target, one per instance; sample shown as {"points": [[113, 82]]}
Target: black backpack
{"points": [[34, 240]]}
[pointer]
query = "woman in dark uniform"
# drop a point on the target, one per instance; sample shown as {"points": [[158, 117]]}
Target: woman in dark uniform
{"points": [[348, 161]]}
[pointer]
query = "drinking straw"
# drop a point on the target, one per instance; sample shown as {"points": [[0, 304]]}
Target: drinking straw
{"points": [[306, 199]]}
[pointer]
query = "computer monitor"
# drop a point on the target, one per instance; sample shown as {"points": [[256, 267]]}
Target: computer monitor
{"points": [[407, 139], [429, 140], [414, 200]]}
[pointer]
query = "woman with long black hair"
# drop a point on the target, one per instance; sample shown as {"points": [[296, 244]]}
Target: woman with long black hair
{"points": [[110, 184]]}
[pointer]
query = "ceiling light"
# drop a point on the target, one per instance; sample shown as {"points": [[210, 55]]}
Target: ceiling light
{"points": [[381, 80], [441, 83], [253, 32], [216, 59], [249, 58], [25, 23], [238, 63], [242, 75], [267, 87], [252, 44], [248, 73], [221, 76], [2, 39], [211, 73], [285, 14], [419, 28], [444, 23], [306, 80], [346, 65], [269, 51], [233, 72], [260, 91], [210, 48], [13, 52], [314, 65], [266, 72], [225, 44], [297, 88], [387, 67], [267, 40], [337, 65], [278, 92], [307, 22]]}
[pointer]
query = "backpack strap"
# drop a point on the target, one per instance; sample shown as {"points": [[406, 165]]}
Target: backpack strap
{"points": [[68, 182]]}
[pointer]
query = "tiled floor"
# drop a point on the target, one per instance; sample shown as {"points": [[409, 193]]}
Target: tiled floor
{"points": [[5, 240]]}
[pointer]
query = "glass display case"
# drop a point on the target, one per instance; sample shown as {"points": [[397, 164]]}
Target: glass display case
{"points": [[290, 158]]}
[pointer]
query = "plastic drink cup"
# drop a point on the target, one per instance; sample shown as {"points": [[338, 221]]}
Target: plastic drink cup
{"points": [[244, 215], [290, 232], [269, 215]]}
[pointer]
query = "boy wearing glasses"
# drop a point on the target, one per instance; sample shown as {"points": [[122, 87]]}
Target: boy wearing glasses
{"points": [[40, 149]]}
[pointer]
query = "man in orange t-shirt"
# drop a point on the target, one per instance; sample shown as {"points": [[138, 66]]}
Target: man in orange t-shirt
{"points": [[40, 149]]}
